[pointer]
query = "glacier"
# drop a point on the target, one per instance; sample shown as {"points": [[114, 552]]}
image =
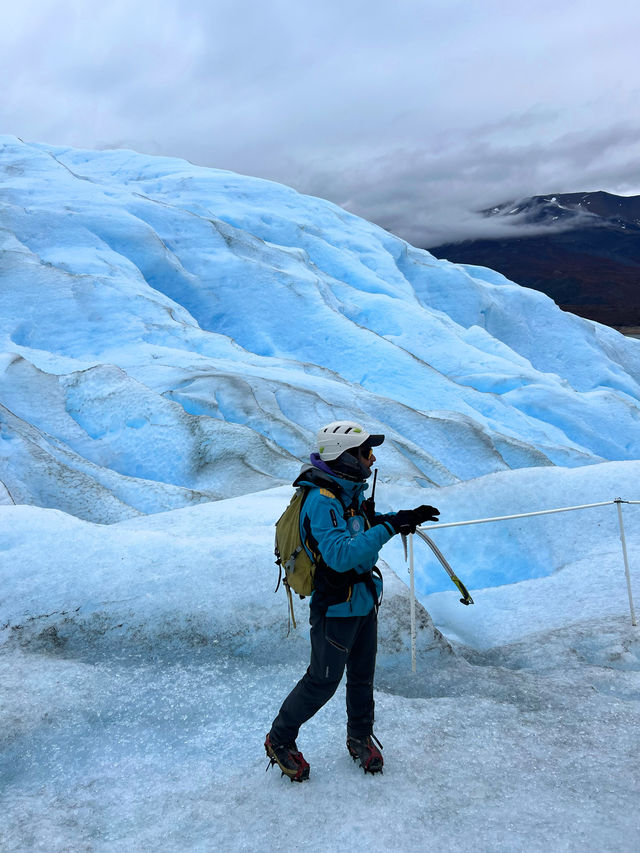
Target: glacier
{"points": [[171, 337], [165, 311]]}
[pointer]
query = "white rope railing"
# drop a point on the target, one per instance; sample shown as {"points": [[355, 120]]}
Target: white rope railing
{"points": [[519, 515], [616, 502]]}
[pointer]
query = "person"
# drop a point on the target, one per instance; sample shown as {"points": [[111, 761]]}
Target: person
{"points": [[343, 533]]}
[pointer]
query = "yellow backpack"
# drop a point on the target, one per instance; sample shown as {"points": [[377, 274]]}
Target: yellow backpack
{"points": [[290, 553]]}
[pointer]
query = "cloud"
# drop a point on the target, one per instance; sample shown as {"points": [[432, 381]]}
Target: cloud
{"points": [[436, 195], [414, 114]]}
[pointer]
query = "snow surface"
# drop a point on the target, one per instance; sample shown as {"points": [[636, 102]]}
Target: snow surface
{"points": [[170, 339]]}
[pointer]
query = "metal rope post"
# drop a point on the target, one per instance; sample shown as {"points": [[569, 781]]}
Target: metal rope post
{"points": [[618, 502], [413, 606]]}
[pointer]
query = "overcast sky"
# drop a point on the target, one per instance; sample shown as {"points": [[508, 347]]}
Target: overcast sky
{"points": [[412, 113]]}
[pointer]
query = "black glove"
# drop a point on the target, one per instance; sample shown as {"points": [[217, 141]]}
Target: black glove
{"points": [[426, 513], [405, 521]]}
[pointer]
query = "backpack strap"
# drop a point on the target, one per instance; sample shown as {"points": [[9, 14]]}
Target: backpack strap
{"points": [[292, 615]]}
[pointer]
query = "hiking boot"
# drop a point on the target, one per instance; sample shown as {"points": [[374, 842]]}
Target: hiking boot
{"points": [[365, 750], [288, 758]]}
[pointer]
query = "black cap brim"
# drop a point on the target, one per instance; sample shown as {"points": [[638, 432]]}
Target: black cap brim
{"points": [[375, 440]]}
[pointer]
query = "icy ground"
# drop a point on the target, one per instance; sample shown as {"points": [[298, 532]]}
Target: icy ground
{"points": [[506, 752], [142, 663]]}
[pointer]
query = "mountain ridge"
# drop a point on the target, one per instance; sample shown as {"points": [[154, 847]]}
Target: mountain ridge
{"points": [[581, 249]]}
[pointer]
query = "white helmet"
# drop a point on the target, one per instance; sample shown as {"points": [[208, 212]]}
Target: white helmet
{"points": [[336, 437]]}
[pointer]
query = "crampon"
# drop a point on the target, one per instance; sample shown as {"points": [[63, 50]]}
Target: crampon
{"points": [[367, 751], [288, 758]]}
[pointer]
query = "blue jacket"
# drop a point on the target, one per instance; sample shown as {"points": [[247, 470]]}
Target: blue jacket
{"points": [[344, 543]]}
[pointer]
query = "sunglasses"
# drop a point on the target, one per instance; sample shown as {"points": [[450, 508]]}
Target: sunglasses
{"points": [[366, 453]]}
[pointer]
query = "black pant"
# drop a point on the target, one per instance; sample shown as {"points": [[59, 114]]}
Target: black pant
{"points": [[335, 642]]}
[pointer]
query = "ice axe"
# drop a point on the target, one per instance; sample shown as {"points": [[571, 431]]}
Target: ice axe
{"points": [[466, 598]]}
